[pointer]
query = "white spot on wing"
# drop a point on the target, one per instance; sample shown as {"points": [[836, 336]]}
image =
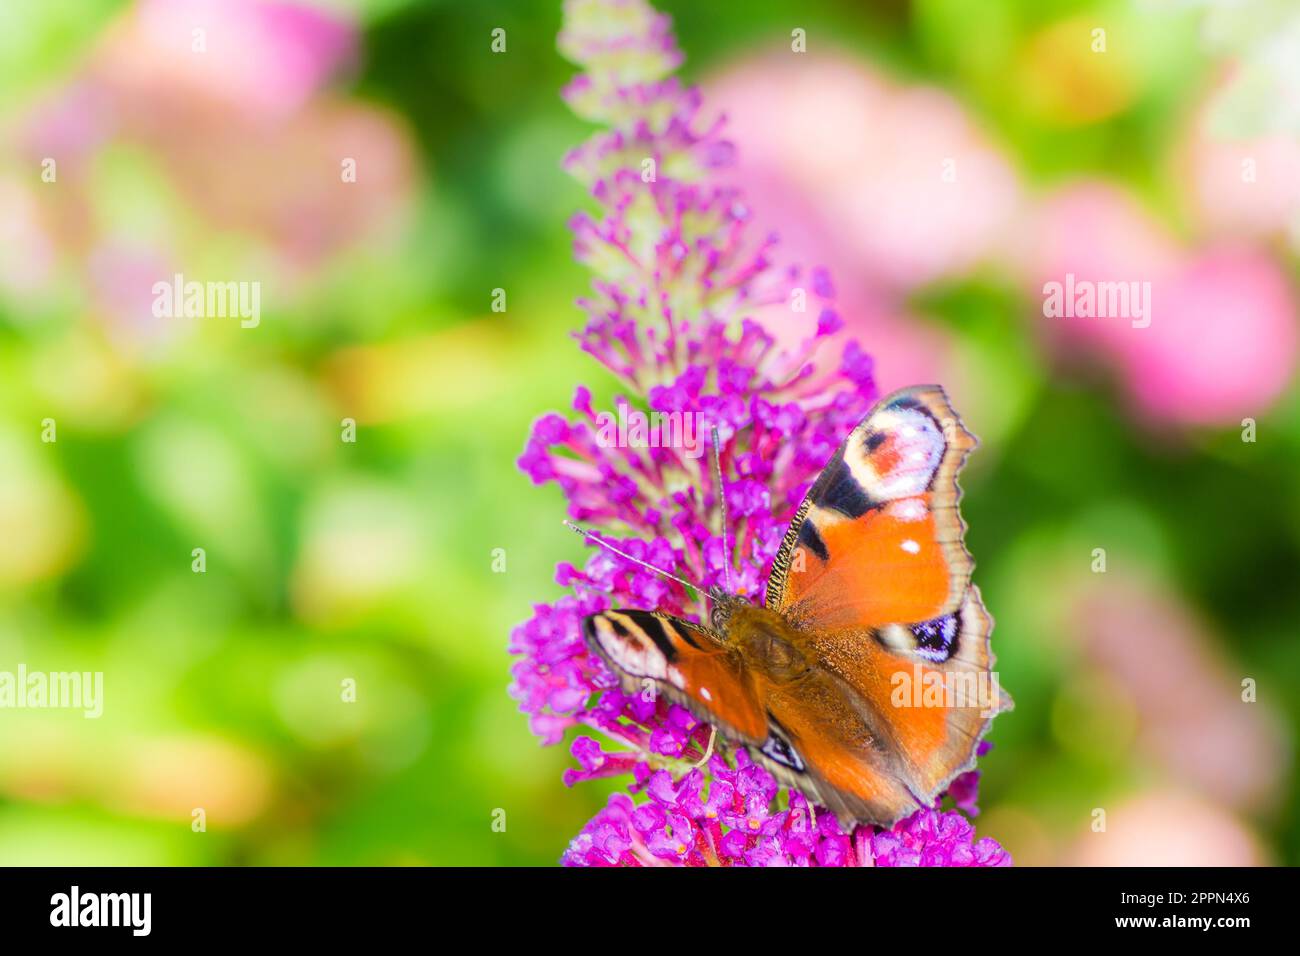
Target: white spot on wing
{"points": [[908, 509]]}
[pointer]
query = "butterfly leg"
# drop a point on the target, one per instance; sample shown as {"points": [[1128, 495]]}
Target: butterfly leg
{"points": [[713, 735]]}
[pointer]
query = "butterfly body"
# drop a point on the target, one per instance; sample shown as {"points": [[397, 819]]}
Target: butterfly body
{"points": [[865, 679], [766, 642]]}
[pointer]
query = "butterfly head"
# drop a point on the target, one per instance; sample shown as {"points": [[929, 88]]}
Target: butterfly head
{"points": [[724, 605]]}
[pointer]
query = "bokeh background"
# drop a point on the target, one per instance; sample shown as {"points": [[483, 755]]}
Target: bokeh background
{"points": [[944, 158]]}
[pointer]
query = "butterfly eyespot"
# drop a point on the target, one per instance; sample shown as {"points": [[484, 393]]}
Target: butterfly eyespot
{"points": [[776, 748], [936, 640]]}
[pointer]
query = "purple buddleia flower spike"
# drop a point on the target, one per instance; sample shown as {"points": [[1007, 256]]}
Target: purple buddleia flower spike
{"points": [[683, 294]]}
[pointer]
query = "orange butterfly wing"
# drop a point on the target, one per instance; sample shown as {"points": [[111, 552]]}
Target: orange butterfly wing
{"points": [[874, 573], [936, 711], [799, 729], [824, 742], [688, 663], [878, 538]]}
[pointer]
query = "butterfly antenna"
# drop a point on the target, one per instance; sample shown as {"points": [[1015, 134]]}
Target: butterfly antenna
{"points": [[627, 557], [722, 504]]}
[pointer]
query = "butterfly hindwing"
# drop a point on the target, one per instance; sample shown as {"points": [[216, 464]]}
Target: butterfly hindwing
{"points": [[823, 741], [939, 689], [811, 730], [688, 663]]}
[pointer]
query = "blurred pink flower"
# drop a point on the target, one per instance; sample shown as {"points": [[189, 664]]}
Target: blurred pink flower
{"points": [[1192, 720], [897, 177], [255, 54], [1168, 828], [1241, 185], [228, 98], [1094, 230], [1228, 349], [120, 276], [26, 250], [1221, 343], [849, 167]]}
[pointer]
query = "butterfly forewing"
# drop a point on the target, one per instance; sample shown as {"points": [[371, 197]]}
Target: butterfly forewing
{"points": [[878, 538], [688, 663]]}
